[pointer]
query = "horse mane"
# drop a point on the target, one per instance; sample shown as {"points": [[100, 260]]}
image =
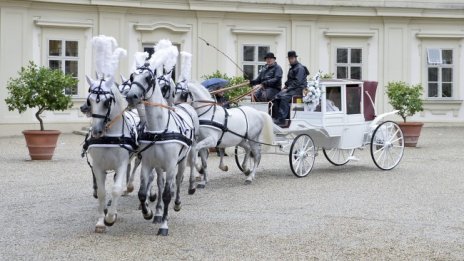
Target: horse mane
{"points": [[119, 100], [199, 92]]}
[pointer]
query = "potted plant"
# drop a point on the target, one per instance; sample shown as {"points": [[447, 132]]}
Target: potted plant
{"points": [[41, 88], [407, 100]]}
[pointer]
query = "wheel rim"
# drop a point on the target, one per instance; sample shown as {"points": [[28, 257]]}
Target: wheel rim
{"points": [[338, 157], [302, 155], [387, 145]]}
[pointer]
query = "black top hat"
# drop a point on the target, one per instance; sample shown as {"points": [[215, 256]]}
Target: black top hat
{"points": [[269, 55], [292, 54]]}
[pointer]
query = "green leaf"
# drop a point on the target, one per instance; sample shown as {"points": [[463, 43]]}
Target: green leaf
{"points": [[405, 98]]}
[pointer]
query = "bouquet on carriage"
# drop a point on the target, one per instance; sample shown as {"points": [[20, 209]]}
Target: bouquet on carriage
{"points": [[312, 93]]}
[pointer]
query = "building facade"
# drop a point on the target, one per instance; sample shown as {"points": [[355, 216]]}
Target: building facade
{"points": [[413, 41]]}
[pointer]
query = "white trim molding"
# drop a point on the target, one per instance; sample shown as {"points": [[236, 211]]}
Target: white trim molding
{"points": [[185, 28], [84, 24], [441, 107], [355, 34], [426, 35], [256, 31]]}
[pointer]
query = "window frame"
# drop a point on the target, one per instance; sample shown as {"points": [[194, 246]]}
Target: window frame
{"points": [[349, 64], [439, 81], [63, 58], [256, 63]]}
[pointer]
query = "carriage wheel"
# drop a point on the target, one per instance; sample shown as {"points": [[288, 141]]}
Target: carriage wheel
{"points": [[338, 157], [240, 157], [387, 145], [302, 155]]}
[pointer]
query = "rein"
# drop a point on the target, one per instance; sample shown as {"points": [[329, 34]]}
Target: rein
{"points": [[156, 104]]}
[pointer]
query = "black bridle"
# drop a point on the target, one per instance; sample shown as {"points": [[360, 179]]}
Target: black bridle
{"points": [[109, 99], [151, 81]]}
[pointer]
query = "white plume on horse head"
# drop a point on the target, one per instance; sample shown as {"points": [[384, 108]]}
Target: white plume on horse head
{"points": [[139, 60], [161, 55], [186, 66], [172, 59], [107, 55], [163, 44]]}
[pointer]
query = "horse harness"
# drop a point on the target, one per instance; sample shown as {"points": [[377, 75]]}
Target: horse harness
{"points": [[223, 127], [154, 137]]}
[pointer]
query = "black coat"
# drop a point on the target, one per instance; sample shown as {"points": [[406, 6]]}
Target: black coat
{"points": [[269, 77], [296, 78]]}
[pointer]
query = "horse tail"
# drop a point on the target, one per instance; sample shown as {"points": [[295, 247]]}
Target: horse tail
{"points": [[267, 133]]}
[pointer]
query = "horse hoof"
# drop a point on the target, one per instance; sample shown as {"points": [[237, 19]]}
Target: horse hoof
{"points": [[201, 171], [95, 195], [192, 191], [225, 168], [108, 224], [148, 216], [130, 188], [157, 219], [163, 232], [247, 182], [201, 186], [152, 198], [177, 207], [100, 229]]}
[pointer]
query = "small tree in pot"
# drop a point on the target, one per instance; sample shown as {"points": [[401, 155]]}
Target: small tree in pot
{"points": [[41, 88], [407, 100]]}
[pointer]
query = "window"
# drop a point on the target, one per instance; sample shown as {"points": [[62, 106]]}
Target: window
{"points": [[440, 76], [349, 63], [253, 60], [63, 55]]}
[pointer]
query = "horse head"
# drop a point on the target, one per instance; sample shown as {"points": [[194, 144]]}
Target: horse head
{"points": [[142, 81], [101, 104]]}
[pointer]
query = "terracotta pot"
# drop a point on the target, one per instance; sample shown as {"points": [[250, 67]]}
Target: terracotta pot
{"points": [[41, 144], [411, 132]]}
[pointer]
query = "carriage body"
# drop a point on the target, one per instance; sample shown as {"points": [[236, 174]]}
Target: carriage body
{"points": [[340, 120]]}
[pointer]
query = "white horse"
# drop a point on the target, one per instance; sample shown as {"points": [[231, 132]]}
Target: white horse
{"points": [[111, 146], [166, 144], [219, 127]]}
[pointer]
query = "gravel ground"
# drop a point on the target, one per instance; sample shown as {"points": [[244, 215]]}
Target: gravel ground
{"points": [[353, 212]]}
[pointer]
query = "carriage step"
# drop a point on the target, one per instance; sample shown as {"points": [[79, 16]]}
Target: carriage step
{"points": [[83, 131], [353, 158]]}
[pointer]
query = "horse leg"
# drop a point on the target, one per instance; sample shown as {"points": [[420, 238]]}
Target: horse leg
{"points": [[126, 190], [202, 147], [247, 149], [203, 171], [159, 207], [167, 195], [95, 187], [192, 158], [221, 163], [256, 152], [143, 191], [179, 177], [152, 187], [130, 182], [118, 188], [100, 178]]}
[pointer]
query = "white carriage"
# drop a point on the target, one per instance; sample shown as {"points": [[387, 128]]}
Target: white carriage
{"points": [[340, 120]]}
